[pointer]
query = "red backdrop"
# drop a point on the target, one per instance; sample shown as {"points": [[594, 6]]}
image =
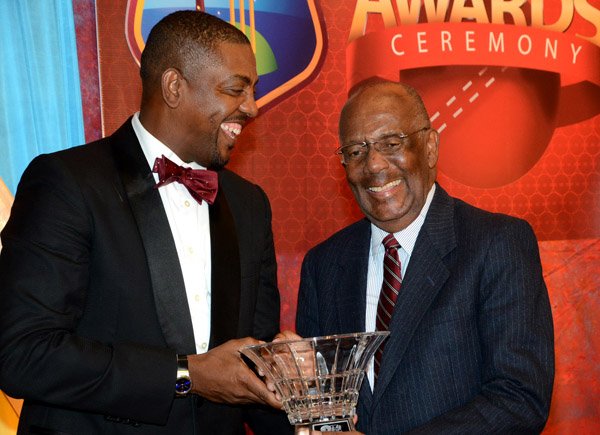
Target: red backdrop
{"points": [[289, 151]]}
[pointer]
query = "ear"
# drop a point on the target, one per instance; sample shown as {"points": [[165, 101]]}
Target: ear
{"points": [[171, 86], [433, 142]]}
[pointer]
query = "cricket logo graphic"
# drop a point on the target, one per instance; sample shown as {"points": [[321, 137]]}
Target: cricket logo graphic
{"points": [[286, 36]]}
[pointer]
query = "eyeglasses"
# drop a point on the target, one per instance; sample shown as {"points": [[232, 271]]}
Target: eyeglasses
{"points": [[357, 152]]}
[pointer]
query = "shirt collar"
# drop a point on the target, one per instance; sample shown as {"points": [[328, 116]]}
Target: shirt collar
{"points": [[154, 148], [406, 237]]}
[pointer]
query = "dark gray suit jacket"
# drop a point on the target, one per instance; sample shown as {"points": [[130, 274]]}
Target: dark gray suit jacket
{"points": [[92, 300], [471, 345]]}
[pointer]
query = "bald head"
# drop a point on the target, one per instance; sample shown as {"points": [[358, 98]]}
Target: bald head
{"points": [[384, 96]]}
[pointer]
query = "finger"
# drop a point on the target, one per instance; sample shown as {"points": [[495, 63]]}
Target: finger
{"points": [[271, 387], [262, 393], [246, 341], [287, 335], [256, 388]]}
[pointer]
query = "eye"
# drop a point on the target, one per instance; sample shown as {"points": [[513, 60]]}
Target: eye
{"points": [[391, 145], [354, 151], [236, 92]]}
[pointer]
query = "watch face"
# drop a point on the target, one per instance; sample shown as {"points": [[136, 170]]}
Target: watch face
{"points": [[183, 385]]}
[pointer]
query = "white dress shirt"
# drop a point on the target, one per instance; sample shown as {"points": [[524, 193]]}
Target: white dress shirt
{"points": [[407, 238], [189, 224]]}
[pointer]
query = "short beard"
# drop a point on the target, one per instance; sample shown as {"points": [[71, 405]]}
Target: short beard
{"points": [[216, 163]]}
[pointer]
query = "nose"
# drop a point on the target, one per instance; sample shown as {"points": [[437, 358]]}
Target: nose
{"points": [[248, 106], [375, 161]]}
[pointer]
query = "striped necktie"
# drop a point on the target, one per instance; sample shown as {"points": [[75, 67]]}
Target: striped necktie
{"points": [[392, 280]]}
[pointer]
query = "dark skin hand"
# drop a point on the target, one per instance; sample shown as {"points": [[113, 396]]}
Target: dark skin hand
{"points": [[220, 375], [287, 335]]}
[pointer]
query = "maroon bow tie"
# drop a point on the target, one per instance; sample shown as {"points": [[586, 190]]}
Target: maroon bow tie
{"points": [[202, 184]]}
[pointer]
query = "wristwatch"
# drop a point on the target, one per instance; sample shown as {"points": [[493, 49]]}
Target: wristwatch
{"points": [[183, 383]]}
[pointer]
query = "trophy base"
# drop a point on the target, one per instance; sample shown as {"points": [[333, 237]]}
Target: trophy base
{"points": [[336, 425]]}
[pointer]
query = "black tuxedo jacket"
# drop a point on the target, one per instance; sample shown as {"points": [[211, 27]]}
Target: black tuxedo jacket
{"points": [[471, 344], [92, 300]]}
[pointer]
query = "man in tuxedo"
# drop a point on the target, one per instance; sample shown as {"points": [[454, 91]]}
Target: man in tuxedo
{"points": [[461, 291], [134, 268]]}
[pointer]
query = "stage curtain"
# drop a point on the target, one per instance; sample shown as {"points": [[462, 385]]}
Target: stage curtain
{"points": [[41, 103], [39, 83]]}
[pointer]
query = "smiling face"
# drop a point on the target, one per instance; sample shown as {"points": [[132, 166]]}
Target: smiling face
{"points": [[390, 190], [214, 103]]}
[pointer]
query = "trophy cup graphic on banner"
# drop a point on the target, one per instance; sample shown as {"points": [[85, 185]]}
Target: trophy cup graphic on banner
{"points": [[318, 378]]}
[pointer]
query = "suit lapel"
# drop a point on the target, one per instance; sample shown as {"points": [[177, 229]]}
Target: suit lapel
{"points": [[163, 262], [350, 284], [226, 273], [424, 278], [350, 289]]}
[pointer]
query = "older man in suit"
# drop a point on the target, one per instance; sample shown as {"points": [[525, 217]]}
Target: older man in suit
{"points": [[132, 267], [460, 289]]}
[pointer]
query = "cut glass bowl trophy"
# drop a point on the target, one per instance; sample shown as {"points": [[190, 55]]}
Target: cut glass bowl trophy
{"points": [[318, 378]]}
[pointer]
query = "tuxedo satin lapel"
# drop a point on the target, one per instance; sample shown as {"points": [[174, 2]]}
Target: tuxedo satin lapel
{"points": [[163, 262], [425, 276], [350, 282], [226, 273]]}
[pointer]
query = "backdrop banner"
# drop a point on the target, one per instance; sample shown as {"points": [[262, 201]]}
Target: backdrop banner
{"points": [[513, 88]]}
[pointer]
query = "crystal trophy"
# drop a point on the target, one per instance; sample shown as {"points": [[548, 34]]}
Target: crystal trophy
{"points": [[318, 378]]}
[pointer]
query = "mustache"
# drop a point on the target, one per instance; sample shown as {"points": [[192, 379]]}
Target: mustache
{"points": [[242, 119]]}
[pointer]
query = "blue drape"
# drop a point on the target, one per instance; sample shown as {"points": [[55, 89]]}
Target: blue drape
{"points": [[40, 97]]}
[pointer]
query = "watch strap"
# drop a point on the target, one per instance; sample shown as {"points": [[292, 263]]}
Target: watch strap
{"points": [[183, 382]]}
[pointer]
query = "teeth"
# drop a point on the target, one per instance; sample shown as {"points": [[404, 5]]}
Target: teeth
{"points": [[384, 187], [232, 129]]}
